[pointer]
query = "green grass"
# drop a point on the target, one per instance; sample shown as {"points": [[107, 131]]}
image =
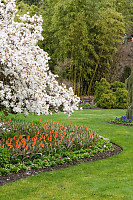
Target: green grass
{"points": [[111, 178]]}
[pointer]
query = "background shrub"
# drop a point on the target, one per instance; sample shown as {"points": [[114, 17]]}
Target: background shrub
{"points": [[112, 95], [121, 98], [101, 87], [107, 101]]}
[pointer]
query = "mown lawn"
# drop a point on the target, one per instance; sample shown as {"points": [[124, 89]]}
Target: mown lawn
{"points": [[101, 180]]}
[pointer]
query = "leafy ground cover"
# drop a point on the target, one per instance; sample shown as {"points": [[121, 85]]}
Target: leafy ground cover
{"points": [[104, 179]]}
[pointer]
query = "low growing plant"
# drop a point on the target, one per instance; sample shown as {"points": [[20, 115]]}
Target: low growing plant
{"points": [[123, 120]]}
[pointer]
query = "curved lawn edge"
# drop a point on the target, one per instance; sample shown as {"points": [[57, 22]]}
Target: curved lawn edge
{"points": [[122, 124], [12, 177]]}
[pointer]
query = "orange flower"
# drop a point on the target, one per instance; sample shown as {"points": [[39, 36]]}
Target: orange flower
{"points": [[8, 144], [86, 128], [55, 143], [56, 131], [23, 140], [3, 120], [97, 130], [3, 145], [26, 147], [33, 144], [28, 137], [64, 133], [82, 126], [19, 145], [71, 133], [20, 136], [73, 139], [24, 144], [42, 145], [90, 134]]}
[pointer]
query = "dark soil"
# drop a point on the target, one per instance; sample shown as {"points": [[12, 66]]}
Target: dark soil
{"points": [[24, 174], [122, 124]]}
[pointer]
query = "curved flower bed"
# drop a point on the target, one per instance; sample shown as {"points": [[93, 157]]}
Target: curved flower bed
{"points": [[35, 145]]}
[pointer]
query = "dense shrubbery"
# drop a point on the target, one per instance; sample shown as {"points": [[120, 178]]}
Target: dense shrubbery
{"points": [[111, 95], [36, 144]]}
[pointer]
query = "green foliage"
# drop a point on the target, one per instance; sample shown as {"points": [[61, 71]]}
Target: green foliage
{"points": [[24, 8], [101, 87], [4, 156], [4, 171], [116, 85], [77, 35], [107, 101], [112, 95], [121, 98]]}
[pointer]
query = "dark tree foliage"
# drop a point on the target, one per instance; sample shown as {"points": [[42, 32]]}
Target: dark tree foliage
{"points": [[81, 37]]}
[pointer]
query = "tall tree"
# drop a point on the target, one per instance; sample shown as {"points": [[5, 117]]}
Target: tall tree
{"points": [[86, 32]]}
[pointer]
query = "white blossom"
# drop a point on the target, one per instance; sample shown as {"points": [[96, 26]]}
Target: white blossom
{"points": [[28, 85]]}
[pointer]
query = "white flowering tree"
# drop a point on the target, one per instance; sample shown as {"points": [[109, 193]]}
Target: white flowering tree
{"points": [[26, 84]]}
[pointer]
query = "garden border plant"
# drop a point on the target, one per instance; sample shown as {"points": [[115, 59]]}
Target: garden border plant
{"points": [[122, 121], [35, 145]]}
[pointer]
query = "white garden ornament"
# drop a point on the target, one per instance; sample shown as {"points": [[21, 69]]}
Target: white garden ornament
{"points": [[26, 84]]}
